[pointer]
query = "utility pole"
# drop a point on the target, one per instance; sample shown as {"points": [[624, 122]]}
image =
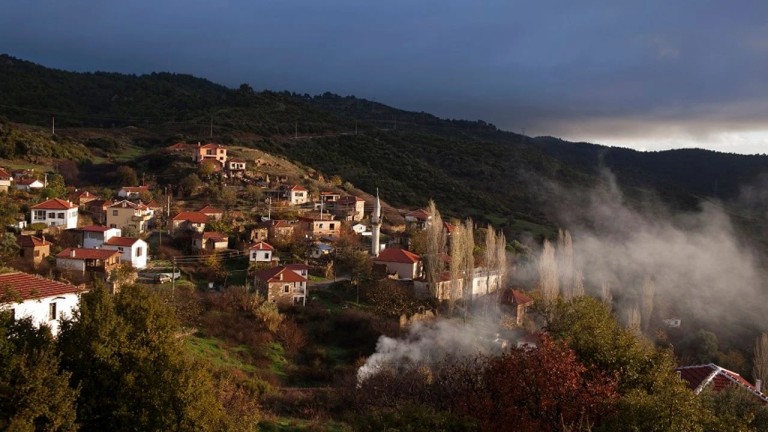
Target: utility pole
{"points": [[53, 125], [211, 126], [173, 278], [168, 209]]}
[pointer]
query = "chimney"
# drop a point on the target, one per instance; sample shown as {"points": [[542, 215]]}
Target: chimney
{"points": [[72, 253], [759, 385]]}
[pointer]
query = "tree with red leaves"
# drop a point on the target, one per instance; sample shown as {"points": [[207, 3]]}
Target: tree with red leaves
{"points": [[544, 388]]}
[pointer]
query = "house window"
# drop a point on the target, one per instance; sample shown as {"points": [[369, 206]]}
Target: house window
{"points": [[332, 225], [39, 214], [286, 288], [61, 215], [51, 215], [119, 249], [112, 226], [37, 253], [139, 252], [52, 311]]}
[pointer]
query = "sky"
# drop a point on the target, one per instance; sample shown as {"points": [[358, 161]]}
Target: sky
{"points": [[651, 75]]}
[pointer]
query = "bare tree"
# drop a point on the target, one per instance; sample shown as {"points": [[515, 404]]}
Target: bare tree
{"points": [[646, 301], [435, 247], [468, 259], [760, 361], [565, 263], [490, 256], [458, 238], [634, 319], [578, 284], [548, 276], [606, 294], [501, 258]]}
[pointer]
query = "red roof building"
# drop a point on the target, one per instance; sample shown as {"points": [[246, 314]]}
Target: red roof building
{"points": [[405, 263], [54, 204], [45, 301], [712, 376], [282, 285]]}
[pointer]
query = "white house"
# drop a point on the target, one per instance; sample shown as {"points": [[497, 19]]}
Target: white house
{"points": [[132, 191], [261, 252], [297, 195], [319, 250], [94, 236], [82, 261], [29, 184], [54, 212], [405, 263], [43, 300], [132, 250], [360, 229]]}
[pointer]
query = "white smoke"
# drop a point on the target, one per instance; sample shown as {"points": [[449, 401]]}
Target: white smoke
{"points": [[429, 343], [698, 262]]}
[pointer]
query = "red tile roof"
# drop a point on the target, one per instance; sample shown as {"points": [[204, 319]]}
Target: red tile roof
{"points": [[135, 189], [32, 241], [27, 182], [514, 297], [297, 266], [397, 255], [4, 175], [54, 204], [419, 214], [209, 210], [194, 217], [297, 188], [121, 241], [29, 287], [212, 235], [84, 254], [699, 377], [211, 146], [261, 246], [127, 204], [154, 205], [349, 200], [273, 275]]}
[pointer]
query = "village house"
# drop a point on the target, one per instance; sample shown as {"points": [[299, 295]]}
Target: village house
{"points": [[29, 184], [236, 167], [210, 152], [5, 180], [179, 147], [82, 197], [132, 250], [418, 218], [482, 282], [259, 233], [360, 229], [518, 301], [261, 252], [94, 236], [189, 222], [279, 230], [45, 301], [33, 250], [320, 225], [98, 210], [349, 208], [129, 215], [80, 261], [212, 212], [319, 250], [281, 285], [54, 212], [132, 192], [210, 241], [329, 197], [406, 264], [716, 378], [297, 195]]}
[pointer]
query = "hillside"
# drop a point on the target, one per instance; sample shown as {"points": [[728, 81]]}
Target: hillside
{"points": [[471, 168]]}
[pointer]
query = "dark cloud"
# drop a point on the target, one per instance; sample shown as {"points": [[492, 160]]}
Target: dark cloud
{"points": [[584, 70]]}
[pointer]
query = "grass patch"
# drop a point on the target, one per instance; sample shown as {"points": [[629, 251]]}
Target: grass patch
{"points": [[277, 361], [216, 352], [284, 424]]}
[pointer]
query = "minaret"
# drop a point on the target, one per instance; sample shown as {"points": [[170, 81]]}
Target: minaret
{"points": [[376, 226]]}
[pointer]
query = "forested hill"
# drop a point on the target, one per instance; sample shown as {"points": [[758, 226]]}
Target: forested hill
{"points": [[471, 168]]}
